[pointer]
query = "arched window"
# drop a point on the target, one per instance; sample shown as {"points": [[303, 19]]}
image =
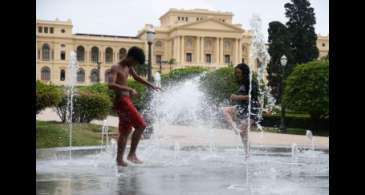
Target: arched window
{"points": [[45, 52], [62, 75], [80, 53], [122, 53], [94, 54], [45, 74], [94, 75], [81, 75], [107, 75], [108, 55]]}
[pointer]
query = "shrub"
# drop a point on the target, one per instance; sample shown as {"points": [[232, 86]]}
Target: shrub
{"points": [[220, 84], [99, 88], [87, 106], [181, 74], [295, 121], [306, 90], [47, 95], [140, 100]]}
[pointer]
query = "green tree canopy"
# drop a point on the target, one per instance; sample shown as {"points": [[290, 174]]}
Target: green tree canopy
{"points": [[278, 46], [306, 89], [301, 29]]}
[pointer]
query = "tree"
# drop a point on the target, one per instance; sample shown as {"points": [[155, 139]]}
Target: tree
{"points": [[306, 90], [141, 69], [278, 45], [301, 29]]}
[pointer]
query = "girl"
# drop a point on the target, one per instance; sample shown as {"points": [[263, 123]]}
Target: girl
{"points": [[237, 116]]}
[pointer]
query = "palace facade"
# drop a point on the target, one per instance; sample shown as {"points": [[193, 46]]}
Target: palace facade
{"points": [[197, 37]]}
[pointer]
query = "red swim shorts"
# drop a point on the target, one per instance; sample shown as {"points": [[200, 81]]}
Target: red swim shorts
{"points": [[128, 115]]}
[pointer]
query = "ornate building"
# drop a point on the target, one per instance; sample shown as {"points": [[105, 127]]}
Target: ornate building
{"points": [[195, 37]]}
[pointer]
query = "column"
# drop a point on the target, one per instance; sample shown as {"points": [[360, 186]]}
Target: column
{"points": [[182, 52], [197, 47], [240, 55], [178, 50], [221, 51], [236, 61], [202, 59], [216, 61]]}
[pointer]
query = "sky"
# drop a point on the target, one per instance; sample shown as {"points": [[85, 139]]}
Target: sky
{"points": [[123, 17]]}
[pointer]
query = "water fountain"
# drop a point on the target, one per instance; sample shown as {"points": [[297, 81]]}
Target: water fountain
{"points": [[70, 84], [172, 166]]}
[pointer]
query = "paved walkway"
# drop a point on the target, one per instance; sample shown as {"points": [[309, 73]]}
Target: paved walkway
{"points": [[194, 135]]}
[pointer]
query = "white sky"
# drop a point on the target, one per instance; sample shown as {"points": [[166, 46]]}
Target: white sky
{"points": [[126, 17]]}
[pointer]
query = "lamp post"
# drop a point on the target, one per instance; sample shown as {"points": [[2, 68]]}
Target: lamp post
{"points": [[148, 115], [283, 61], [150, 36], [98, 69]]}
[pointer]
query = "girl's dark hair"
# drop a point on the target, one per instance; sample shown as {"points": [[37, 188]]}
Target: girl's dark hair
{"points": [[137, 54], [245, 74]]}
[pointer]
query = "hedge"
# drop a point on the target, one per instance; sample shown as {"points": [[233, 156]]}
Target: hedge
{"points": [[47, 95], [303, 122], [181, 74], [87, 106]]}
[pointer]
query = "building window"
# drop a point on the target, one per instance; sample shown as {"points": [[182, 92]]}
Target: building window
{"points": [[323, 45], [63, 31], [80, 53], [108, 76], [227, 44], [197, 19], [45, 52], [45, 29], [39, 54], [80, 75], [122, 53], [94, 76], [63, 45], [51, 30], [223, 20], [227, 59], [63, 55], [108, 55], [94, 55], [45, 74], [188, 57], [186, 18], [158, 44], [40, 29], [208, 58], [62, 75], [178, 18], [158, 59]]}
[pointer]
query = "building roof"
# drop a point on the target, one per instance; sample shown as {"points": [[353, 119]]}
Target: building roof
{"points": [[197, 11], [106, 36]]}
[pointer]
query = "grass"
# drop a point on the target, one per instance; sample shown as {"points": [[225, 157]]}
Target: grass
{"points": [[56, 134]]}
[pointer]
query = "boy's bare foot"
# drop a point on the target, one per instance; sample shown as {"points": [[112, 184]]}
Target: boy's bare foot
{"points": [[134, 159], [122, 163]]}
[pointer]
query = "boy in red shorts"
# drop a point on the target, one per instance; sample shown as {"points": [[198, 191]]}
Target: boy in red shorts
{"points": [[128, 115]]}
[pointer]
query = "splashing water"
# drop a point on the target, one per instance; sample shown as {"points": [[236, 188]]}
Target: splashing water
{"points": [[258, 51], [70, 84], [105, 134], [309, 135]]}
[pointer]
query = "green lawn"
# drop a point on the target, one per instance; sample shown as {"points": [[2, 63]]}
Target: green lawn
{"points": [[56, 134]]}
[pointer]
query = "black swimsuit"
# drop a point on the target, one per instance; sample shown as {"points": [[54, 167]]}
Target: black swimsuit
{"points": [[242, 106]]}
